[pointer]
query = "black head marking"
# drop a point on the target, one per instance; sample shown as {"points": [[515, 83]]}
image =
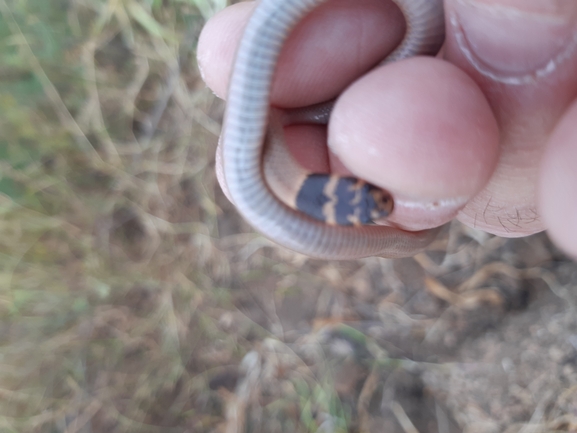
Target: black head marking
{"points": [[342, 200]]}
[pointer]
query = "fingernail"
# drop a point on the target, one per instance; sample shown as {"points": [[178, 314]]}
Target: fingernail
{"points": [[411, 214], [515, 41]]}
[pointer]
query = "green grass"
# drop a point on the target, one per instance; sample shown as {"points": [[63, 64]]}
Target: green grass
{"points": [[102, 270]]}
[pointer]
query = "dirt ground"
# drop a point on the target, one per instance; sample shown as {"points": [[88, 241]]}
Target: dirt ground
{"points": [[478, 339]]}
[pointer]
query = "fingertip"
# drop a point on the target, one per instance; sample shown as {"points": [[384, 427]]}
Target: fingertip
{"points": [[421, 129], [332, 46], [557, 192], [217, 45], [311, 67]]}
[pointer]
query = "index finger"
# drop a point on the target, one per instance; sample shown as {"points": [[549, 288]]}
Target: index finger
{"points": [[330, 48]]}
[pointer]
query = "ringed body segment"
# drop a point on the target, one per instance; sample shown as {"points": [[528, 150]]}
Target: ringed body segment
{"points": [[343, 201]]}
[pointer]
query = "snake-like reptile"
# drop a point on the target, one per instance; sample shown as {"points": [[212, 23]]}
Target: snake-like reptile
{"points": [[333, 219]]}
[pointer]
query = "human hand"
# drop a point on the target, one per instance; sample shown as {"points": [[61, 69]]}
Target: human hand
{"points": [[428, 130]]}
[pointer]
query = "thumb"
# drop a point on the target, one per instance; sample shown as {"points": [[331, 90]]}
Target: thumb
{"points": [[513, 41], [522, 54]]}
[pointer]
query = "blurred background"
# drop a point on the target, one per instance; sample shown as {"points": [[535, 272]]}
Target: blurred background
{"points": [[134, 299]]}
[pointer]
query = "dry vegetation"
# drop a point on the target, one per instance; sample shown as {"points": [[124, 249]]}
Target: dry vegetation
{"points": [[133, 299]]}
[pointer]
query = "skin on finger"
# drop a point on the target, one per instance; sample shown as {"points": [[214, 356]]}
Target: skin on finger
{"points": [[332, 46], [307, 144], [558, 184], [217, 45], [421, 129], [523, 56]]}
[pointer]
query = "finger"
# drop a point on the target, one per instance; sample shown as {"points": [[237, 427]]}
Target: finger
{"points": [[318, 61], [329, 48], [522, 54], [307, 144], [421, 129], [217, 45], [558, 184]]}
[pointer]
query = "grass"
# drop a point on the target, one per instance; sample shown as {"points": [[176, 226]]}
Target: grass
{"points": [[133, 299], [105, 238]]}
